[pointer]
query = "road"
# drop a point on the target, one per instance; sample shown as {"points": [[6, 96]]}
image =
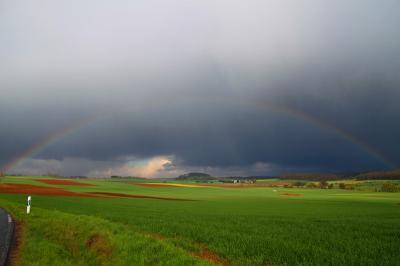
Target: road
{"points": [[6, 234]]}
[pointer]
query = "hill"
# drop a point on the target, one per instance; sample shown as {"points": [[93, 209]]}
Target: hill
{"points": [[380, 175], [368, 175], [196, 177]]}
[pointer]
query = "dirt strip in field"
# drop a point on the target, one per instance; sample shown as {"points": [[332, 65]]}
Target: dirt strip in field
{"points": [[62, 182], [53, 191], [203, 253], [38, 190], [122, 195], [207, 254]]}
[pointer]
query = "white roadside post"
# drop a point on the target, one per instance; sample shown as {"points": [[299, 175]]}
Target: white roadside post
{"points": [[28, 207]]}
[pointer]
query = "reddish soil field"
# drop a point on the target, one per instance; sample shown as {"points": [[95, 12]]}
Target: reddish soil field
{"points": [[62, 182], [291, 194], [122, 195], [52, 191], [38, 190]]}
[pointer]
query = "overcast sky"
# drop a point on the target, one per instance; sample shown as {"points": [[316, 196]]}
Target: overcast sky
{"points": [[157, 88]]}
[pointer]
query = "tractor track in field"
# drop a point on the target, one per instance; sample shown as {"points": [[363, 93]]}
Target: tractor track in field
{"points": [[203, 252]]}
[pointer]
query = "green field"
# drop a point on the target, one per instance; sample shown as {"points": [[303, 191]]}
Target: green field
{"points": [[231, 226]]}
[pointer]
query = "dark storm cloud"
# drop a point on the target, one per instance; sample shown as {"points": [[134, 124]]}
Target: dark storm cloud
{"points": [[194, 82]]}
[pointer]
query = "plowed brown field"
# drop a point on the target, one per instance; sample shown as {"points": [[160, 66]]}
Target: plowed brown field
{"points": [[38, 190]]}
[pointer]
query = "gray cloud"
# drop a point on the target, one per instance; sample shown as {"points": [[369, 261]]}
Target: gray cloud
{"points": [[193, 81]]}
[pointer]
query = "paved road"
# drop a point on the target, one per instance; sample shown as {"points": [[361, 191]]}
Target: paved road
{"points": [[6, 234]]}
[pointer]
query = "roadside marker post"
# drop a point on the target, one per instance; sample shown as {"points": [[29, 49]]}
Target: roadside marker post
{"points": [[28, 207]]}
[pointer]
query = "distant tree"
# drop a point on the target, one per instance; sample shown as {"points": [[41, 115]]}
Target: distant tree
{"points": [[342, 185], [390, 187], [311, 185], [379, 175], [299, 184], [196, 176], [310, 176], [323, 184], [330, 186]]}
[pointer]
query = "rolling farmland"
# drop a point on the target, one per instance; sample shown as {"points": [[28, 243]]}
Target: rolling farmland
{"points": [[120, 222]]}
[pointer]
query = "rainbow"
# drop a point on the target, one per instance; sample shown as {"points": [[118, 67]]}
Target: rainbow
{"points": [[288, 111], [292, 112], [48, 141]]}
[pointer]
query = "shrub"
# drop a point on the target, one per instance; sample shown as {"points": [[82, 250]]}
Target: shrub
{"points": [[390, 187], [299, 184], [323, 184], [311, 185]]}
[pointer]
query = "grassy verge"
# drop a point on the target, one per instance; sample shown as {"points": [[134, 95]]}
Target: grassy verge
{"points": [[56, 238]]}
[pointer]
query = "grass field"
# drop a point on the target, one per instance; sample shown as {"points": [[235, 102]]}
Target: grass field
{"points": [[211, 225]]}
